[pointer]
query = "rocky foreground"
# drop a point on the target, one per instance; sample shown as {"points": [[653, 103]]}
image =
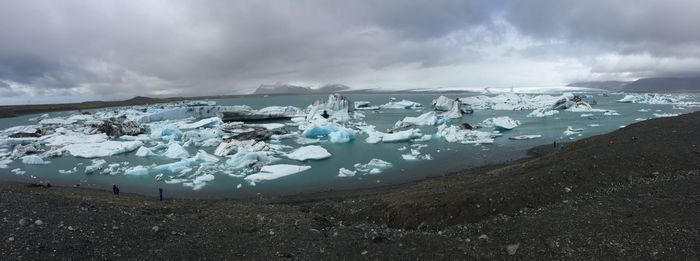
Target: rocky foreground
{"points": [[631, 194]]}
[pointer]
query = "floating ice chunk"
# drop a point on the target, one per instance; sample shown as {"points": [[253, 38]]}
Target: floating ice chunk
{"points": [[655, 98], [409, 157], [443, 103], [312, 152], [571, 131], [587, 115], [399, 136], [56, 121], [203, 156], [96, 165], [203, 123], [18, 171], [200, 181], [611, 113], [306, 141], [374, 166], [271, 172], [102, 149], [365, 105], [503, 123], [663, 115], [144, 152], [542, 112], [593, 125], [246, 159], [137, 171], [32, 160], [526, 137], [4, 163], [227, 148], [343, 172], [74, 138], [336, 133], [402, 104], [176, 151], [455, 134], [71, 171], [425, 119], [173, 167], [166, 132]]}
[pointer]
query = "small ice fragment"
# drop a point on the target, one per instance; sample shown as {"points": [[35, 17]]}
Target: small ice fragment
{"points": [[313, 152]]}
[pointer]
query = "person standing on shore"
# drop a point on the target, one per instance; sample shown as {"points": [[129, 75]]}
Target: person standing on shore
{"points": [[160, 190], [115, 189]]}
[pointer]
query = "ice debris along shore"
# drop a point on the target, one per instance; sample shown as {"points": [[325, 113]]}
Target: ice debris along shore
{"points": [[194, 143]]}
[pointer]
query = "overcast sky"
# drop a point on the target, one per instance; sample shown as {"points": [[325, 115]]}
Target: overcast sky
{"points": [[60, 50]]}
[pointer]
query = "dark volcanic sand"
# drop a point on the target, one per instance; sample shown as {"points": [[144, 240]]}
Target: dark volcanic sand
{"points": [[632, 194]]}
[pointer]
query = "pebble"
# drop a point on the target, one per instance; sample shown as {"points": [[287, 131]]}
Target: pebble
{"points": [[71, 228], [38, 222], [512, 249], [567, 190], [10, 239], [23, 222], [483, 237], [155, 228]]}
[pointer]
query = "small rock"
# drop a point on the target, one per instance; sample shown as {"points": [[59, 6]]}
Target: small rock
{"points": [[38, 222], [115, 227], [512, 249], [71, 228], [10, 239], [23, 222], [483, 237], [364, 252], [173, 233], [567, 190], [155, 228]]}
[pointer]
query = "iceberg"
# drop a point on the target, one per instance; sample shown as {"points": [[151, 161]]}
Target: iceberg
{"points": [[336, 132], [656, 98], [4, 163], [312, 152], [271, 172], [204, 123], [245, 159], [542, 112], [102, 149], [343, 172], [144, 152], [399, 136], [425, 119], [74, 138], [402, 104], [457, 135], [96, 165], [526, 137], [32, 160], [663, 115], [374, 166], [365, 105], [200, 181], [502, 123], [137, 171], [175, 151], [227, 148], [571, 131]]}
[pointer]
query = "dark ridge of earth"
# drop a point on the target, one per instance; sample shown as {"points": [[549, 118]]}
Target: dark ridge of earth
{"points": [[633, 194]]}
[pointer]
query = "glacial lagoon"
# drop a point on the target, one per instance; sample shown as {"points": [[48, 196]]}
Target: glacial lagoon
{"points": [[182, 152]]}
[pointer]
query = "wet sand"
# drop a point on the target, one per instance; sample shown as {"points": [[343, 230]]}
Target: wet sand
{"points": [[630, 194]]}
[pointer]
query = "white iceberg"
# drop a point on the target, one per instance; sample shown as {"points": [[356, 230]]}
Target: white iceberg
{"points": [[144, 152], [176, 151], [245, 159], [343, 172], [457, 135], [102, 149], [542, 112], [503, 123], [96, 165], [312, 152], [663, 115], [336, 132], [402, 104], [32, 160], [137, 171], [425, 119], [526, 137], [271, 172], [374, 166], [203, 123]]}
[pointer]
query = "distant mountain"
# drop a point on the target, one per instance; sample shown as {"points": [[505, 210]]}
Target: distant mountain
{"points": [[605, 85], [659, 84], [666, 84], [294, 89]]}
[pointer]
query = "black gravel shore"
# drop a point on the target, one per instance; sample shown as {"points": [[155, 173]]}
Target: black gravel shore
{"points": [[633, 194]]}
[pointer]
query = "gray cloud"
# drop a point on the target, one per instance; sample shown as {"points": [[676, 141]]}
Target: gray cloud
{"points": [[116, 49]]}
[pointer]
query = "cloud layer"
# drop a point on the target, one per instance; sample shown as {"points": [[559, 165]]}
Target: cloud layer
{"points": [[117, 49]]}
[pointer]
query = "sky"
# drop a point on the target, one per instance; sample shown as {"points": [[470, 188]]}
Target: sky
{"points": [[75, 50]]}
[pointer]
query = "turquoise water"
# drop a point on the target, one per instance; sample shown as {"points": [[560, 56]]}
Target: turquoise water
{"points": [[447, 157]]}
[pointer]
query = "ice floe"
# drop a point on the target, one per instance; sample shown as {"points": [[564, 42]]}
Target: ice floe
{"points": [[102, 149], [312, 152], [501, 123], [270, 172]]}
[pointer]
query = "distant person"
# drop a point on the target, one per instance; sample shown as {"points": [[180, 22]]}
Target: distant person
{"points": [[115, 189], [160, 190], [325, 114]]}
